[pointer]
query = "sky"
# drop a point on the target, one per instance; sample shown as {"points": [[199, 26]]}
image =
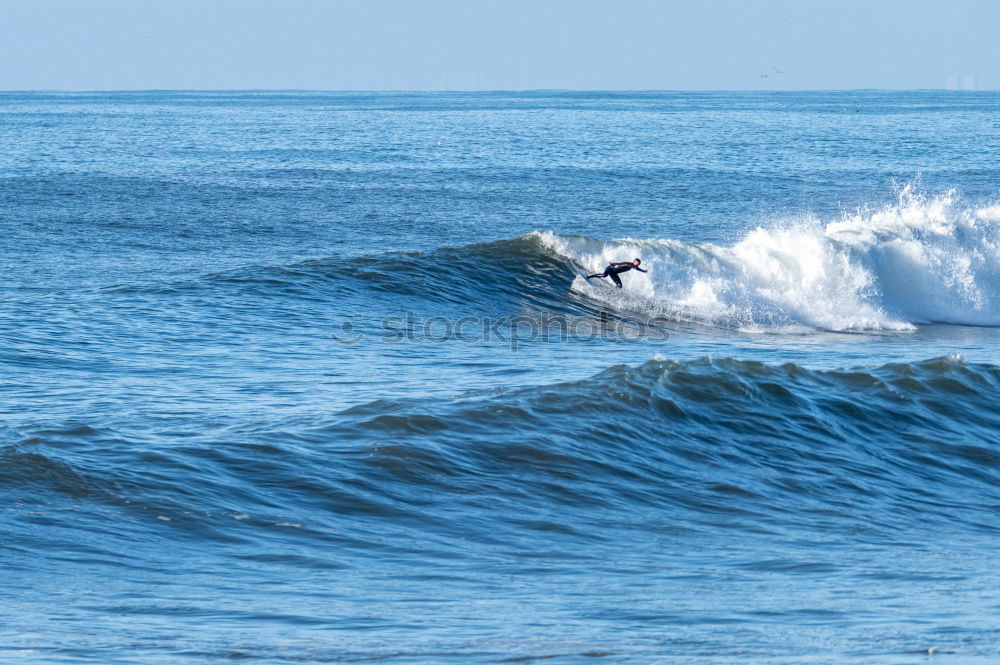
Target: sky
{"points": [[498, 45]]}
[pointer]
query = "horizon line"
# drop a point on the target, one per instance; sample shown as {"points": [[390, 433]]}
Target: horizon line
{"points": [[492, 90]]}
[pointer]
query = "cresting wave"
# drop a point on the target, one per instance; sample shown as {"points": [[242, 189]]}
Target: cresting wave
{"points": [[922, 260]]}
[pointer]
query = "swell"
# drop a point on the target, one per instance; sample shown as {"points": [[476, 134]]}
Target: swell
{"points": [[699, 439], [707, 446]]}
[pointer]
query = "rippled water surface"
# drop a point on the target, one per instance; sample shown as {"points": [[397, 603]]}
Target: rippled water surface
{"points": [[311, 378]]}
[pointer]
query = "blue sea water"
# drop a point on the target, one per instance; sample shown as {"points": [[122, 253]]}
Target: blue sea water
{"points": [[296, 377]]}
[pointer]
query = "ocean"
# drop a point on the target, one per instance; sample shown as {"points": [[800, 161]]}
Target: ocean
{"points": [[309, 377]]}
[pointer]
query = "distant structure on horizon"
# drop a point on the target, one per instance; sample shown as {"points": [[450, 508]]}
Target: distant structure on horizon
{"points": [[968, 82]]}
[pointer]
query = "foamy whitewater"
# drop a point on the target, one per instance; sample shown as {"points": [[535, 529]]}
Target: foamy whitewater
{"points": [[922, 260], [309, 378]]}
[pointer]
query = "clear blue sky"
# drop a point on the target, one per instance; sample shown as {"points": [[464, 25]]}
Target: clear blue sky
{"points": [[509, 44]]}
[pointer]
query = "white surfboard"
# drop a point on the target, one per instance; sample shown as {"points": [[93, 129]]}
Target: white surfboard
{"points": [[581, 273]]}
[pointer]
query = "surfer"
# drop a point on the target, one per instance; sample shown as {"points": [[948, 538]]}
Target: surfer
{"points": [[614, 269]]}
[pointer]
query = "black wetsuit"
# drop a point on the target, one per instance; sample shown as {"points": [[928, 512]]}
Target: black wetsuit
{"points": [[613, 270]]}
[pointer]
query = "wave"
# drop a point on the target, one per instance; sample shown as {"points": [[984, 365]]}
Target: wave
{"points": [[709, 444], [504, 276], [922, 260], [705, 437]]}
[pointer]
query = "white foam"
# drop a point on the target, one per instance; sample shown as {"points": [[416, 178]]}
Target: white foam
{"points": [[923, 259]]}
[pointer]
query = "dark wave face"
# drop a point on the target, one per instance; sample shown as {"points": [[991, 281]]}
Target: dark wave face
{"points": [[312, 378]]}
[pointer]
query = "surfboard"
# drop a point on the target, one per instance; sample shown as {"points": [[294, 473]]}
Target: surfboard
{"points": [[581, 273]]}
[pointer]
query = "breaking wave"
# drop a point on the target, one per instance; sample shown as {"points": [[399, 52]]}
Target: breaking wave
{"points": [[922, 260]]}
